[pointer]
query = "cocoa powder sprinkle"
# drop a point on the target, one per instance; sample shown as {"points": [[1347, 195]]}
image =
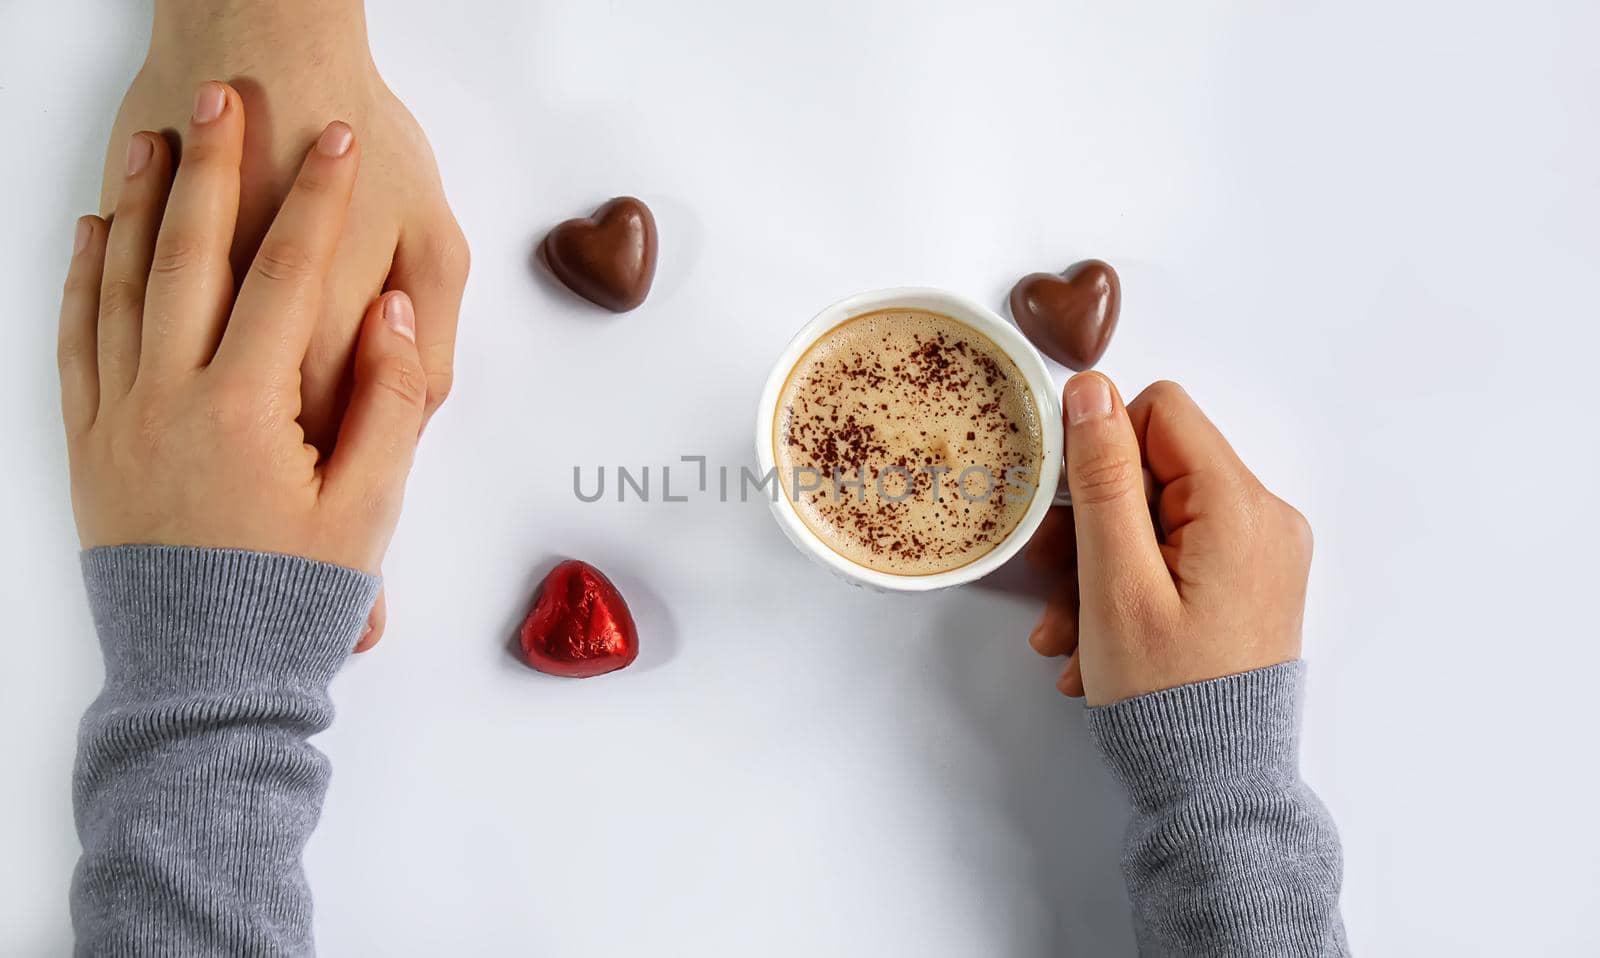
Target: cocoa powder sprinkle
{"points": [[871, 409]]}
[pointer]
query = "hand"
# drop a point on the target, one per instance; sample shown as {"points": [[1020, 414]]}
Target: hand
{"points": [[296, 63], [1219, 589], [180, 401]]}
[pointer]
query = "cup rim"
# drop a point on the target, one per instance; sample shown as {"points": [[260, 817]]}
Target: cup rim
{"points": [[962, 310]]}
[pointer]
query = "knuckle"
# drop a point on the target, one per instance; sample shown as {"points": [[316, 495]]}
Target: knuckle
{"points": [[205, 155], [403, 379], [233, 406], [1164, 392], [315, 180], [122, 297], [1296, 530], [1234, 497], [1103, 477], [282, 260], [176, 253]]}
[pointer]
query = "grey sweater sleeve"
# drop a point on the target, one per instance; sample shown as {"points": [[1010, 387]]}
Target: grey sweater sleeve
{"points": [[195, 787], [1229, 852]]}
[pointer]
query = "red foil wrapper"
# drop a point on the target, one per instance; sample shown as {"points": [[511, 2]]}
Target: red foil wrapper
{"points": [[579, 625]]}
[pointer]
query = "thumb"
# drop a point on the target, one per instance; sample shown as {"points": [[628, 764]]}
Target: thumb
{"points": [[376, 620], [1118, 557], [378, 436]]}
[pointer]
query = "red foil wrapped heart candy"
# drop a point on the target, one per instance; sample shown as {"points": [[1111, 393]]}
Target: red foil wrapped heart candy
{"points": [[579, 625]]}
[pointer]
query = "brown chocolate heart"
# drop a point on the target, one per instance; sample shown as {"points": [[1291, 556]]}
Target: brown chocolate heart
{"points": [[608, 258], [1069, 317]]}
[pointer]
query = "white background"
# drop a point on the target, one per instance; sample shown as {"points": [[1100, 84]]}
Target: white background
{"points": [[1365, 235]]}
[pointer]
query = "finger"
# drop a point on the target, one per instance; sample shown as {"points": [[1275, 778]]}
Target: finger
{"points": [[1199, 472], [1071, 680], [1187, 498], [1117, 552], [1054, 544], [376, 620], [1057, 631], [281, 297], [129, 249], [1177, 438], [80, 312], [191, 281], [379, 434], [431, 264]]}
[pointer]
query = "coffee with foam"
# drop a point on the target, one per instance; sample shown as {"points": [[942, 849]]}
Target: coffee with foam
{"points": [[908, 442]]}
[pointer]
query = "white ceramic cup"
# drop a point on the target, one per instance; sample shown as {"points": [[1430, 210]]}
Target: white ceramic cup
{"points": [[997, 331]]}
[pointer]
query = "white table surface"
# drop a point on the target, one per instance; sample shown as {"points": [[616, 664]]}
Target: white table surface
{"points": [[1363, 234]]}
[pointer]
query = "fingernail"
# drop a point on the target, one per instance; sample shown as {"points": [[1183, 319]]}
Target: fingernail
{"points": [[1088, 397], [139, 151], [398, 314], [336, 139], [209, 102], [80, 241]]}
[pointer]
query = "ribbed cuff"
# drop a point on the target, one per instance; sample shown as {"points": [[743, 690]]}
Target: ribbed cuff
{"points": [[180, 619], [1168, 743]]}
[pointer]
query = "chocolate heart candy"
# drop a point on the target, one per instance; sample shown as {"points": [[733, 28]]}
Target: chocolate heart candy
{"points": [[608, 258], [1069, 317], [579, 625]]}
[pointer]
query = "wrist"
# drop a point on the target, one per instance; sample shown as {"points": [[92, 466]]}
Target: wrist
{"points": [[175, 619], [223, 39], [1173, 742]]}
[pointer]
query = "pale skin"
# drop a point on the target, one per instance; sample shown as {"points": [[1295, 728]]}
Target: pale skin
{"points": [[294, 64], [181, 399], [1213, 584]]}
